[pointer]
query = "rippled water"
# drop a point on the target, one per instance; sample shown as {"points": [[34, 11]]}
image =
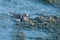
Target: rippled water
{"points": [[8, 29]]}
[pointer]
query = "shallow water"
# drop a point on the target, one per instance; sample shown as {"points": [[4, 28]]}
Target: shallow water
{"points": [[7, 23]]}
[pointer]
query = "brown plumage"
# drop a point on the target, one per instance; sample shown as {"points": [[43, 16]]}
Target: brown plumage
{"points": [[17, 16]]}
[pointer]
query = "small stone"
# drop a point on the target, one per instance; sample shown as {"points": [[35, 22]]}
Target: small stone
{"points": [[39, 38]]}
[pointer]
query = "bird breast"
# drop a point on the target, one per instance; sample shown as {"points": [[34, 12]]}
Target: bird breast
{"points": [[26, 18]]}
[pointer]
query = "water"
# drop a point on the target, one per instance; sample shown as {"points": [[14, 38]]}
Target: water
{"points": [[7, 23]]}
